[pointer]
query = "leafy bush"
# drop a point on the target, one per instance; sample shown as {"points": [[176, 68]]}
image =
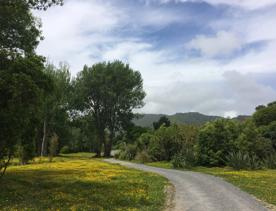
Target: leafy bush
{"points": [[184, 159], [168, 141], [65, 150], [128, 152], [143, 157], [270, 161], [216, 140], [239, 160], [24, 155]]}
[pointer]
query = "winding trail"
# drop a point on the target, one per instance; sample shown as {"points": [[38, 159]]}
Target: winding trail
{"points": [[201, 192]]}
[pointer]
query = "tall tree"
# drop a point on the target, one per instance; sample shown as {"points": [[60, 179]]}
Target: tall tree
{"points": [[22, 81], [55, 106], [110, 91]]}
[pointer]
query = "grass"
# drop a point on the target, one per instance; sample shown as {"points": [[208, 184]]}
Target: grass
{"points": [[161, 164], [260, 183], [77, 182]]}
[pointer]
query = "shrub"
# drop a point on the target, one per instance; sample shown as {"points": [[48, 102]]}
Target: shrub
{"points": [[65, 150], [216, 140], [25, 152], [270, 161], [143, 157], [184, 159], [128, 152], [168, 141], [239, 160], [24, 155]]}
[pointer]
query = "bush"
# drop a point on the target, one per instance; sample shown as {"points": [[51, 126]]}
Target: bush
{"points": [[169, 141], [24, 154], [270, 161], [215, 140], [184, 159], [65, 150], [143, 157], [128, 152], [239, 160]]}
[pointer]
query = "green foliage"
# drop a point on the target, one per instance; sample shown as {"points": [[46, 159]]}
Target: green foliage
{"points": [[265, 115], [270, 160], [128, 152], [56, 105], [162, 121], [165, 142], [269, 132], [20, 30], [22, 85], [251, 142], [240, 160], [109, 91], [22, 82], [216, 141], [143, 157], [65, 150], [184, 159]]}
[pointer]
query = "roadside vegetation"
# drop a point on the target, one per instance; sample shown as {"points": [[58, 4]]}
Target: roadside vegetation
{"points": [[77, 182], [249, 145]]}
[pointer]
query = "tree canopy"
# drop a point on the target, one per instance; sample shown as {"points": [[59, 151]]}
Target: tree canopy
{"points": [[109, 91]]}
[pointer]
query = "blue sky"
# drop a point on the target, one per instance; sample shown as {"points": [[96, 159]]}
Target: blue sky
{"points": [[214, 56]]}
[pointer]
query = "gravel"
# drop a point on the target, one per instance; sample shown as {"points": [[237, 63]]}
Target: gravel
{"points": [[200, 192]]}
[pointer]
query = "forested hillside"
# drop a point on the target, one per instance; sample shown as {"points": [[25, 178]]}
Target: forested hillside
{"points": [[146, 120]]}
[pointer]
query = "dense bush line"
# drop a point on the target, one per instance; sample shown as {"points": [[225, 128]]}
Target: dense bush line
{"points": [[223, 142]]}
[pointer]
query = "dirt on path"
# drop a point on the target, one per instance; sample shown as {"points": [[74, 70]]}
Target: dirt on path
{"points": [[200, 192]]}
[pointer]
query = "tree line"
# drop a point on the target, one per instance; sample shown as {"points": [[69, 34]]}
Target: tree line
{"points": [[249, 144], [43, 109]]}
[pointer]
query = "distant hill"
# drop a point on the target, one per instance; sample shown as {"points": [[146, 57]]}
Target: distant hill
{"points": [[180, 118], [242, 118]]}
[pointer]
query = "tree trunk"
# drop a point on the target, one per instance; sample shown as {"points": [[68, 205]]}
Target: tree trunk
{"points": [[108, 145], [107, 149], [100, 141], [5, 166], [43, 145]]}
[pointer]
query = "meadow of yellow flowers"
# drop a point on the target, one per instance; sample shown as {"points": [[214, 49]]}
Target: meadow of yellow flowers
{"points": [[79, 183]]}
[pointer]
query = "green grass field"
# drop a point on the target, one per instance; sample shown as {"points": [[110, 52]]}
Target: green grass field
{"points": [[260, 183], [77, 182]]}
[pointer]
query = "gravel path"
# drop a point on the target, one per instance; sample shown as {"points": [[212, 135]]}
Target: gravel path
{"points": [[201, 192]]}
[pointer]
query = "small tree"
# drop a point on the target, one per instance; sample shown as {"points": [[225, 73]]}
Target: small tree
{"points": [[53, 146], [162, 121]]}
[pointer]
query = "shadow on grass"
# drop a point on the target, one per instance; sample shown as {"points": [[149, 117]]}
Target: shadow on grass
{"points": [[65, 190]]}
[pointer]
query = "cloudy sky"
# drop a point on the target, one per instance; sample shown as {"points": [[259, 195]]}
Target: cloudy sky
{"points": [[213, 56]]}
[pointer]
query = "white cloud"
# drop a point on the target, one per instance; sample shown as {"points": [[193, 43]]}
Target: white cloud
{"points": [[222, 44], [235, 94], [89, 31], [246, 4]]}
